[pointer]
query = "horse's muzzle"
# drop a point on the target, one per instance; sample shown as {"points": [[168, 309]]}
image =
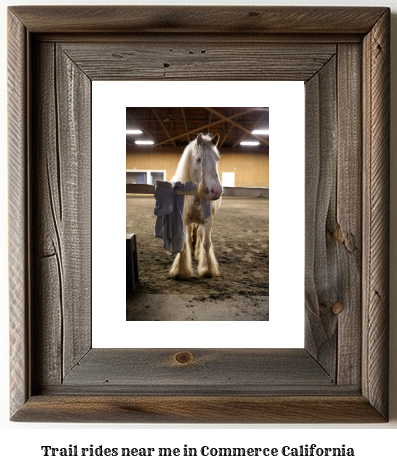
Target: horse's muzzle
{"points": [[214, 194]]}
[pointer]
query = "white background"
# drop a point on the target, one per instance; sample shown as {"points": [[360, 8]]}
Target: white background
{"points": [[286, 326], [374, 445]]}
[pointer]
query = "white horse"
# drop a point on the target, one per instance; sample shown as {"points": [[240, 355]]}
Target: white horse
{"points": [[199, 163]]}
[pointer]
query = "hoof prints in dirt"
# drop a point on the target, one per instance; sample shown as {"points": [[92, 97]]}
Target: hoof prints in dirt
{"points": [[181, 307], [241, 244]]}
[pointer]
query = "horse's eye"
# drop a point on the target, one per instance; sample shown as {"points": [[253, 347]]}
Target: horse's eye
{"points": [[199, 161]]}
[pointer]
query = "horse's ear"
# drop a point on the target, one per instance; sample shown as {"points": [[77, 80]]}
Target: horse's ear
{"points": [[199, 138], [217, 139]]}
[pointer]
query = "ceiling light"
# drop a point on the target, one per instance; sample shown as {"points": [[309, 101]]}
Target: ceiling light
{"points": [[144, 143], [249, 143], [133, 131], [263, 132]]}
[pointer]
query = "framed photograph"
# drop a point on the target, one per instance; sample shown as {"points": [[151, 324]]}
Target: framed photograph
{"points": [[340, 375], [215, 265], [240, 292]]}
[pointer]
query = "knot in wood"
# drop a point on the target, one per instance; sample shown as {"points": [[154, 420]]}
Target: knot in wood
{"points": [[337, 308], [338, 235], [183, 358]]}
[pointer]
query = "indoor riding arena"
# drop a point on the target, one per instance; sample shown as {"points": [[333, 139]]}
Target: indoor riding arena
{"points": [[155, 141]]}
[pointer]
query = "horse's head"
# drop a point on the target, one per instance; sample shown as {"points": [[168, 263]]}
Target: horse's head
{"points": [[204, 166]]}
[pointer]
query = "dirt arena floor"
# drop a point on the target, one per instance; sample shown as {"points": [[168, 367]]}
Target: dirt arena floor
{"points": [[241, 243]]}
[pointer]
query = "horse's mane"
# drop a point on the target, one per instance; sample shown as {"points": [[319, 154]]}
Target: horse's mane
{"points": [[182, 173]]}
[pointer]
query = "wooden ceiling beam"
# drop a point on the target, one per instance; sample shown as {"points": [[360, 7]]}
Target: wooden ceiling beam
{"points": [[187, 128], [250, 132], [236, 124], [231, 126], [163, 125], [142, 128], [212, 124]]}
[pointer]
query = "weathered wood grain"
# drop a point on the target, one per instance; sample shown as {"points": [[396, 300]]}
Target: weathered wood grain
{"points": [[347, 228], [199, 19], [73, 110], [333, 216], [50, 212], [199, 409], [48, 296], [227, 58], [62, 207], [18, 223], [376, 111], [321, 277], [244, 37], [159, 369]]}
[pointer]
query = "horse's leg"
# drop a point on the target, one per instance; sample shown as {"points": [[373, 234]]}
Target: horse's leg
{"points": [[208, 265], [190, 236], [194, 239], [182, 267], [199, 240]]}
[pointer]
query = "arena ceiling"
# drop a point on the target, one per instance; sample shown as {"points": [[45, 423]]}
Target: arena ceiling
{"points": [[178, 126]]}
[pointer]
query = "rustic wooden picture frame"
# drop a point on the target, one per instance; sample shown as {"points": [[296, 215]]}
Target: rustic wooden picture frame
{"points": [[342, 54]]}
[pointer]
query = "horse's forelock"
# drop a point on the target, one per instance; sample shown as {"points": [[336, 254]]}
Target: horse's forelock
{"points": [[197, 148], [204, 143]]}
